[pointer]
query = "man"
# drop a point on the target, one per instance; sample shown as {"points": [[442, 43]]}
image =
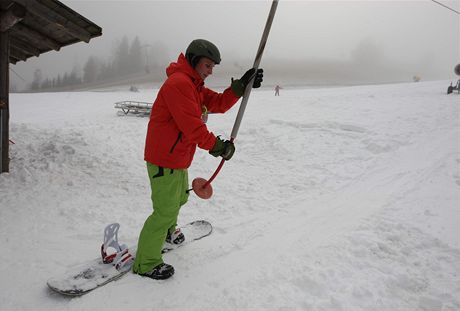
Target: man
{"points": [[175, 129]]}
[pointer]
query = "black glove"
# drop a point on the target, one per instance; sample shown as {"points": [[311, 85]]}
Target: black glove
{"points": [[222, 148], [238, 86]]}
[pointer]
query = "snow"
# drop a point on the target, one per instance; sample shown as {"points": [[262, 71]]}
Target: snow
{"points": [[341, 198]]}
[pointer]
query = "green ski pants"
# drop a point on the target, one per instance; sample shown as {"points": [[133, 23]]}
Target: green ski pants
{"points": [[169, 193]]}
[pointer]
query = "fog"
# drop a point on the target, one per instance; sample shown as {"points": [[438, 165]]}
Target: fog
{"points": [[312, 42]]}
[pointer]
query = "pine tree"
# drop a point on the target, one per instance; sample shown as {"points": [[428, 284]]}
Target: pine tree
{"points": [[36, 83], [90, 70], [121, 60], [135, 56], [74, 78]]}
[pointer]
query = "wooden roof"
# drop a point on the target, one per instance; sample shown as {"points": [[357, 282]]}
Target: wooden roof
{"points": [[44, 25]]}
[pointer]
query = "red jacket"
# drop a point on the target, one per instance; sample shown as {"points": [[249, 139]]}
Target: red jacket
{"points": [[175, 127]]}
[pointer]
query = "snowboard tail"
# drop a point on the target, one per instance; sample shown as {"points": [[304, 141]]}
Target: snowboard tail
{"points": [[83, 278]]}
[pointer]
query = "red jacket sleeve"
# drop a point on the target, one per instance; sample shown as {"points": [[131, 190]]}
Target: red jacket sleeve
{"points": [[219, 102]]}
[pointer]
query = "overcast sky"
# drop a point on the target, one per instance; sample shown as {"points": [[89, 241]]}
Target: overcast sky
{"points": [[404, 31]]}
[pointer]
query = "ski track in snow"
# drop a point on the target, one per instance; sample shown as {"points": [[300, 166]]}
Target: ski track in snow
{"points": [[336, 199]]}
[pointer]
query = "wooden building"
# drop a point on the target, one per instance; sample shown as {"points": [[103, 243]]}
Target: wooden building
{"points": [[29, 28]]}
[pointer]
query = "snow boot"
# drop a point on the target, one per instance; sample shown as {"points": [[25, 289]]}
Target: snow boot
{"points": [[161, 272], [177, 237]]}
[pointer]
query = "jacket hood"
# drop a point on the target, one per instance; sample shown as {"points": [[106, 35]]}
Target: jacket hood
{"points": [[183, 66]]}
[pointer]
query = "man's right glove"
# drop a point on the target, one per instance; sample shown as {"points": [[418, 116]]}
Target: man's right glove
{"points": [[222, 148], [238, 86]]}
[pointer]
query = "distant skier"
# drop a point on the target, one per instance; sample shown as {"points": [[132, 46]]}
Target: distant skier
{"points": [[175, 129], [277, 90]]}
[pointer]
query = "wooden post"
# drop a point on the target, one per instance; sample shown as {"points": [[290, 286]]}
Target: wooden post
{"points": [[13, 15], [4, 103]]}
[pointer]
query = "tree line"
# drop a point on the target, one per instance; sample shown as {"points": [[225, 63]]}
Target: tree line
{"points": [[128, 58]]}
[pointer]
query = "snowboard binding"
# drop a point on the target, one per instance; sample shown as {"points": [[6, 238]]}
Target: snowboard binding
{"points": [[452, 88], [114, 253]]}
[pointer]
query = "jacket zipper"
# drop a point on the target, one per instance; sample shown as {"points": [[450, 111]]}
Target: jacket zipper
{"points": [[176, 142]]}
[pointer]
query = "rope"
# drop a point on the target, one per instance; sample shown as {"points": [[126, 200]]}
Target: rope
{"points": [[17, 74], [446, 6]]}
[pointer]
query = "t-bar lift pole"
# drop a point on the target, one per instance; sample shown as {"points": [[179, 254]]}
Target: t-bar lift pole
{"points": [[202, 187]]}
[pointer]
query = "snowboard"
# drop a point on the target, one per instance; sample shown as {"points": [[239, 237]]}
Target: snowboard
{"points": [[85, 277]]}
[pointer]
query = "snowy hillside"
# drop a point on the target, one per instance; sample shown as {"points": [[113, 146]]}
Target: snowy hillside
{"points": [[336, 199]]}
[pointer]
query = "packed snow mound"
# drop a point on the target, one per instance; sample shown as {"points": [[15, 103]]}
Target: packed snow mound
{"points": [[336, 199]]}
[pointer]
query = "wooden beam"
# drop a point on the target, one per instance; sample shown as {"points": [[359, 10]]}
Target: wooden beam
{"points": [[25, 47], [13, 15], [13, 60], [4, 98], [63, 23], [33, 36], [17, 54]]}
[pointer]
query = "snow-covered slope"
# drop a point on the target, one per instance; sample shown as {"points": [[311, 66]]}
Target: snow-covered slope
{"points": [[336, 199]]}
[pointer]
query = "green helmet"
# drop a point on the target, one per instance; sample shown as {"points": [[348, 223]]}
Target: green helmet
{"points": [[202, 48]]}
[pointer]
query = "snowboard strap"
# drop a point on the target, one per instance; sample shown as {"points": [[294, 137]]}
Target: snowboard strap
{"points": [[122, 259], [111, 240]]}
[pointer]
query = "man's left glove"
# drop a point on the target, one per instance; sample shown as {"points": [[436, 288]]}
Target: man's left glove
{"points": [[222, 148], [238, 86]]}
